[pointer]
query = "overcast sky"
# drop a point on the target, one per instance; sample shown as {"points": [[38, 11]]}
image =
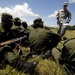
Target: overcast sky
{"points": [[28, 10]]}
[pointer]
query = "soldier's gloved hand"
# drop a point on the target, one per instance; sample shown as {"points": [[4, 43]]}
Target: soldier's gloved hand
{"points": [[17, 46]]}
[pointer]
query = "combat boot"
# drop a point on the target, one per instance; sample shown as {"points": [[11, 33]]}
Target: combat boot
{"points": [[30, 66], [46, 55], [27, 67]]}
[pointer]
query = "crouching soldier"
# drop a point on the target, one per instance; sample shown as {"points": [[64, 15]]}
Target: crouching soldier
{"points": [[65, 57], [42, 40], [7, 53]]}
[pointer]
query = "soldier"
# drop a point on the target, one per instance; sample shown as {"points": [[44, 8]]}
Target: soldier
{"points": [[38, 23], [17, 21], [19, 30], [63, 18], [66, 57], [41, 39], [7, 53], [24, 24]]}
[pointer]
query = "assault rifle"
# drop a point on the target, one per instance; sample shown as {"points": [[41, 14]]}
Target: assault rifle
{"points": [[12, 41]]}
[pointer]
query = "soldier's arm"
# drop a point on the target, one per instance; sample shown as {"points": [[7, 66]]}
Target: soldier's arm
{"points": [[57, 16], [69, 17]]}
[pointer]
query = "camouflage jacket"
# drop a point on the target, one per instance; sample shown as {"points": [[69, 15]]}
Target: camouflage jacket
{"points": [[63, 15]]}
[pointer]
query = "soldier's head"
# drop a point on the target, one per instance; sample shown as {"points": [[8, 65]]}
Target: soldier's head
{"points": [[7, 20], [24, 24], [65, 5], [38, 23], [17, 21]]}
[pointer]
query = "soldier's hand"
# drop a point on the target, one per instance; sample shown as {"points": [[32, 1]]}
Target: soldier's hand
{"points": [[17, 46]]}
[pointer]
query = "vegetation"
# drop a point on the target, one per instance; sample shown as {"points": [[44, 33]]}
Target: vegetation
{"points": [[45, 67]]}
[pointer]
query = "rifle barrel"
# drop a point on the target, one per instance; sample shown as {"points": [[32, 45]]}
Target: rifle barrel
{"points": [[11, 41]]}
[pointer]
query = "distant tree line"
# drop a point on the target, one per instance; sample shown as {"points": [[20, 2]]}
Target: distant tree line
{"points": [[71, 27], [68, 27]]}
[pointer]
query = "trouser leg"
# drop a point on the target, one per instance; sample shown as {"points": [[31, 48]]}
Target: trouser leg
{"points": [[16, 62], [59, 28], [56, 54], [63, 30]]}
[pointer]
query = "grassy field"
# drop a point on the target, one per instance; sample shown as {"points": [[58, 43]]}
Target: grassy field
{"points": [[68, 34], [45, 67]]}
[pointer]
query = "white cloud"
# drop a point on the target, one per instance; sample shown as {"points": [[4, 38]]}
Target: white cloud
{"points": [[53, 15], [22, 11], [30, 22], [72, 1]]}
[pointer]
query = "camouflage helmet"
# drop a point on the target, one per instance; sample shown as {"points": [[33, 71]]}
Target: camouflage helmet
{"points": [[65, 4], [17, 19], [37, 20], [6, 17]]}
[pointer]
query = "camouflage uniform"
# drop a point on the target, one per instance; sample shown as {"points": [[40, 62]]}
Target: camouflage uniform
{"points": [[63, 16], [66, 57], [10, 53]]}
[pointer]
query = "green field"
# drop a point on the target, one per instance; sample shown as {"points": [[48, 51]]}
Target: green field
{"points": [[45, 67]]}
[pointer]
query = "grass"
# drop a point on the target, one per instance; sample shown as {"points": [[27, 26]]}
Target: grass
{"points": [[45, 67]]}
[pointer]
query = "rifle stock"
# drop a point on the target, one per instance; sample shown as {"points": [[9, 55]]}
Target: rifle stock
{"points": [[11, 41]]}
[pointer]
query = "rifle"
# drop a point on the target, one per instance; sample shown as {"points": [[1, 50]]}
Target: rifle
{"points": [[12, 41]]}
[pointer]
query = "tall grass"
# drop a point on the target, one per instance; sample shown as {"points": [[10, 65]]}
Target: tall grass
{"points": [[45, 67]]}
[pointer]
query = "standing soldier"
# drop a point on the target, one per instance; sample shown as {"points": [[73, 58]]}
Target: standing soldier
{"points": [[63, 18]]}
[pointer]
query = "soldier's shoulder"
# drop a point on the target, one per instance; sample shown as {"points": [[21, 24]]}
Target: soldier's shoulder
{"points": [[30, 28], [14, 27], [68, 11], [68, 40], [1, 29]]}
